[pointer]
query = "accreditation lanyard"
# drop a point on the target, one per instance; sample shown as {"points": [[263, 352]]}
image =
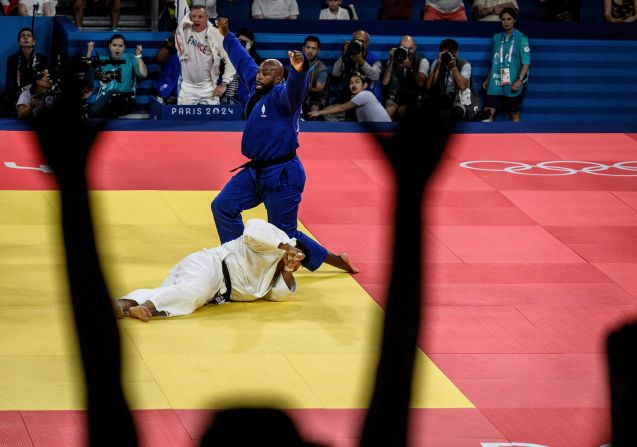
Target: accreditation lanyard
{"points": [[505, 72]]}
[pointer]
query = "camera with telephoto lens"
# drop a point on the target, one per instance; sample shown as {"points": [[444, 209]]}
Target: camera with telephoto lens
{"points": [[445, 57], [401, 54], [105, 75], [110, 75], [355, 47]]}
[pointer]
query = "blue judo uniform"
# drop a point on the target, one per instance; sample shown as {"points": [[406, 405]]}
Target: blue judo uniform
{"points": [[270, 139]]}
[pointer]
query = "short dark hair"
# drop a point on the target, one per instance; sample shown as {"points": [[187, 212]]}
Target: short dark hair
{"points": [[23, 30], [511, 11], [199, 7], [245, 31], [312, 39], [449, 44], [116, 36], [358, 75]]}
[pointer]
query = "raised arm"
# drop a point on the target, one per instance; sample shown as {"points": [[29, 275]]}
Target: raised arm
{"points": [[298, 83], [140, 66], [241, 60]]}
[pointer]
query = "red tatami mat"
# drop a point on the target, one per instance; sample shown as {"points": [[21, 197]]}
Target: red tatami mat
{"points": [[589, 146], [529, 380], [435, 427], [525, 274], [504, 244], [554, 427], [574, 208]]}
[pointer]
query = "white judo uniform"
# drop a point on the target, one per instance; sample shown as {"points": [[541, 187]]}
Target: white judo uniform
{"points": [[251, 260]]}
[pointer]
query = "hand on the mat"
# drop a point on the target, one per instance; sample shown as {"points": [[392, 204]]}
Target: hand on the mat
{"points": [[222, 26], [140, 312]]}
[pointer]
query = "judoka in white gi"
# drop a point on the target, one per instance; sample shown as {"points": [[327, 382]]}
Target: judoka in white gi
{"points": [[260, 264]]}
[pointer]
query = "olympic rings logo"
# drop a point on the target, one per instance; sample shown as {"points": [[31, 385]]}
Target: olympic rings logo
{"points": [[555, 168]]}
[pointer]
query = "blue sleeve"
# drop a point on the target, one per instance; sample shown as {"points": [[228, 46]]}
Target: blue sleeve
{"points": [[241, 60], [296, 88]]}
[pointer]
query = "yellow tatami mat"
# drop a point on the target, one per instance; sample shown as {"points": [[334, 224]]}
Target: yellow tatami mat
{"points": [[317, 350]]}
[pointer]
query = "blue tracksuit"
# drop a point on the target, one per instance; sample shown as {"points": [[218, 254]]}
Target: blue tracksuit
{"points": [[271, 132]]}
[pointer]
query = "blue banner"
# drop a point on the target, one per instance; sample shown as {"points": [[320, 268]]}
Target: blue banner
{"points": [[221, 112]]}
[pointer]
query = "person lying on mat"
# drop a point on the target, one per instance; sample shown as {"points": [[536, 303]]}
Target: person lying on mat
{"points": [[258, 264]]}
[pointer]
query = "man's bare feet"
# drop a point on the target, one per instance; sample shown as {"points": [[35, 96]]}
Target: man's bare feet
{"points": [[341, 261], [122, 306], [140, 312]]}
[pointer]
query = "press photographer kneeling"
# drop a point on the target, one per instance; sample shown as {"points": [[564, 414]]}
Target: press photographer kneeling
{"points": [[449, 85], [116, 73]]}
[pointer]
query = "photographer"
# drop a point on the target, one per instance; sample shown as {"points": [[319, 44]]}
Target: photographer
{"points": [[404, 78], [36, 98], [22, 66], [449, 84], [116, 73], [356, 57]]}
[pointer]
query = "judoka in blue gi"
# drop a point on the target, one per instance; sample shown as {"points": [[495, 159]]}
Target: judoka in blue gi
{"points": [[274, 175]]}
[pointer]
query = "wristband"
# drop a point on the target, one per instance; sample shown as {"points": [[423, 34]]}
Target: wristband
{"points": [[288, 269], [138, 56]]}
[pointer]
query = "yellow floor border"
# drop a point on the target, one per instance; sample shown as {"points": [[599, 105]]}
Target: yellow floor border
{"points": [[316, 351]]}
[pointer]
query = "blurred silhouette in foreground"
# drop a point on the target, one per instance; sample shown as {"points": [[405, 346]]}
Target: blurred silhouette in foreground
{"points": [[622, 370], [66, 141]]}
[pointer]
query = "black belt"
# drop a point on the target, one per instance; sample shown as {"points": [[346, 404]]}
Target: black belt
{"points": [[258, 165], [224, 297]]}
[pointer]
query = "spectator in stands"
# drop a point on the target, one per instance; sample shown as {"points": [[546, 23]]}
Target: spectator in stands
{"points": [[116, 95], [404, 78], [489, 10], [23, 65], [510, 63], [167, 84], [42, 7], [620, 11], [367, 107], [357, 57], [275, 9], [97, 7], [246, 36], [449, 85], [200, 50], [34, 100], [334, 11], [167, 20], [247, 39], [561, 10], [317, 94], [445, 10], [396, 10]]}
